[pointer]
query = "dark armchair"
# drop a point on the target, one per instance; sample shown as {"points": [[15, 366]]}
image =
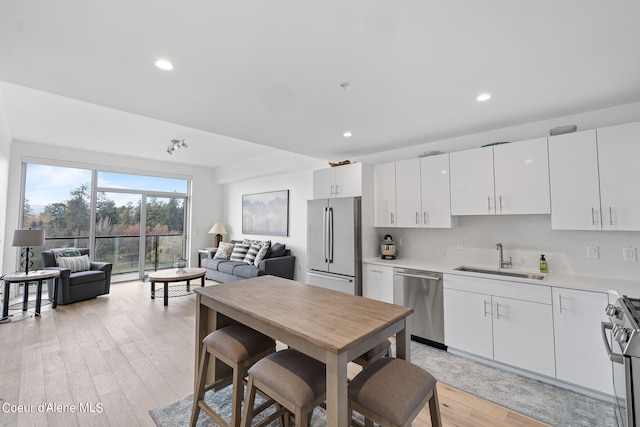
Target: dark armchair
{"points": [[80, 285]]}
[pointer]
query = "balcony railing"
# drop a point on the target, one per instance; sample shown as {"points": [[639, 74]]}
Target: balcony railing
{"points": [[161, 251]]}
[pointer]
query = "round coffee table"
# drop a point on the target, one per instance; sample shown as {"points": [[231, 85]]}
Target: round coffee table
{"points": [[174, 275]]}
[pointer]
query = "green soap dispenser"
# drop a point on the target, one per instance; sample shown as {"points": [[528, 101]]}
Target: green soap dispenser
{"points": [[543, 264]]}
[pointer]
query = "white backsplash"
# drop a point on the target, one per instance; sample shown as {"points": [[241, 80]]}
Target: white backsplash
{"points": [[524, 238]]}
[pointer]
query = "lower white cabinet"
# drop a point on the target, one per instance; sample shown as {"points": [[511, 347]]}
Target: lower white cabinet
{"points": [[580, 355], [509, 322], [377, 282]]}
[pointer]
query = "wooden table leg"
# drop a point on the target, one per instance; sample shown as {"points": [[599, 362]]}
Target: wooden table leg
{"points": [[337, 397], [403, 344]]}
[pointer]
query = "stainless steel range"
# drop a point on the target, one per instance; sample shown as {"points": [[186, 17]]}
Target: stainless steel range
{"points": [[623, 346]]}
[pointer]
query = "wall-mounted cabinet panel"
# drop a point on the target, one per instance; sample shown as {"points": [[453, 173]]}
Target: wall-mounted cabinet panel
{"points": [[384, 195], [340, 181], [472, 191], [436, 192], [408, 202]]}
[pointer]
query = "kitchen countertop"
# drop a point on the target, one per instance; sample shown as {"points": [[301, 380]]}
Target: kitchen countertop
{"points": [[615, 287]]}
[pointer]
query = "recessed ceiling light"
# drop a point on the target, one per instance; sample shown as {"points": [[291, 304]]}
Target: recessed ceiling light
{"points": [[483, 97], [163, 64], [347, 134]]}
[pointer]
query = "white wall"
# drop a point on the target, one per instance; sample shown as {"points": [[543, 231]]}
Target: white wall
{"points": [[5, 148], [524, 237], [206, 194], [300, 186]]}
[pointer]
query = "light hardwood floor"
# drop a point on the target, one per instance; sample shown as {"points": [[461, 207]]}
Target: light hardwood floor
{"points": [[118, 356]]}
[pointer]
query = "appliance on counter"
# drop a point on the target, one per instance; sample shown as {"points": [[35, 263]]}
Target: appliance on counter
{"points": [[624, 324], [334, 244], [424, 292], [388, 247]]}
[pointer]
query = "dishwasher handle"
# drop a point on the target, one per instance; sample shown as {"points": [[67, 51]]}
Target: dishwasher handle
{"points": [[419, 276]]}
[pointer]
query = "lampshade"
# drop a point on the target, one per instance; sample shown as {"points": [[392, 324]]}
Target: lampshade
{"points": [[28, 238], [218, 228]]}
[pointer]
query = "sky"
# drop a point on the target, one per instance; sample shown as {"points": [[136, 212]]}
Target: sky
{"points": [[46, 184]]}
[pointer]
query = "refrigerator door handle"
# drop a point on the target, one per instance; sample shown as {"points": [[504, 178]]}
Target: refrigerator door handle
{"points": [[330, 235], [324, 235], [324, 276]]}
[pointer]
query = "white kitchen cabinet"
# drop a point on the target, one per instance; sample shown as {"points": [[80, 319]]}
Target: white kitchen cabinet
{"points": [[573, 171], [594, 178], [580, 355], [377, 282], [521, 173], [520, 316], [467, 322], [435, 192], [506, 179], [472, 191], [618, 154], [384, 195], [339, 181], [523, 335], [408, 196]]}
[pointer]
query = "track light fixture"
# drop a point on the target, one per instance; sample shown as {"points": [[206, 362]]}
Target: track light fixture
{"points": [[175, 144]]}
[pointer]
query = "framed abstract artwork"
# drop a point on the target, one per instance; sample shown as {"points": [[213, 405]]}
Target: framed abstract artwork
{"points": [[266, 213]]}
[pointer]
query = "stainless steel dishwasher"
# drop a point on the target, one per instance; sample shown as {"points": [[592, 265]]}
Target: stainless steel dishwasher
{"points": [[422, 291]]}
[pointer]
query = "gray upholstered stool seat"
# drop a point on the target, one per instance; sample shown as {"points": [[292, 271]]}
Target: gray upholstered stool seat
{"points": [[238, 347], [391, 392], [293, 379], [379, 351]]}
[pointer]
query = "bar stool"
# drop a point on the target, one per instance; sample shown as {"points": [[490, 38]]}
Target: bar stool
{"points": [[378, 352], [238, 347], [391, 392], [293, 379]]}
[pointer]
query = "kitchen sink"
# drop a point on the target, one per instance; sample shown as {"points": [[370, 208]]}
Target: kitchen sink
{"points": [[518, 274]]}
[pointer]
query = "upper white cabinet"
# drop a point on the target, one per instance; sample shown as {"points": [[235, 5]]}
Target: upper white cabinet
{"points": [[339, 181], [413, 193], [408, 205], [505, 179], [618, 154], [594, 176], [436, 192], [384, 195], [576, 316]]}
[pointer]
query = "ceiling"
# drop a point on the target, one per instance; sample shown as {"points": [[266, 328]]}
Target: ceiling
{"points": [[254, 77]]}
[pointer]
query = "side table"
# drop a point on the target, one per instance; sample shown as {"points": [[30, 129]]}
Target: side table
{"points": [[33, 276], [203, 253]]}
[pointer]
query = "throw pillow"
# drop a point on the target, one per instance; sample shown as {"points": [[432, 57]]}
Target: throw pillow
{"points": [[277, 250], [65, 252], [239, 252], [224, 250], [250, 257], [262, 254], [75, 263]]}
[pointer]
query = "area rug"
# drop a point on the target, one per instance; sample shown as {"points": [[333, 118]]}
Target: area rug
{"points": [[544, 402]]}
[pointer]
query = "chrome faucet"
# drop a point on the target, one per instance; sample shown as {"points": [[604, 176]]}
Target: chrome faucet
{"points": [[502, 263]]}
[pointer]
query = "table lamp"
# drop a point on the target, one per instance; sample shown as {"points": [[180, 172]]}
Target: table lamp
{"points": [[27, 239], [217, 229]]}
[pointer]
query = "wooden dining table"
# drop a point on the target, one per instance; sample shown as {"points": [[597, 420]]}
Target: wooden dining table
{"points": [[330, 326]]}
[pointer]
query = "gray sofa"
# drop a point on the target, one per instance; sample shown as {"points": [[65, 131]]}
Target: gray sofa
{"points": [[81, 285], [276, 264]]}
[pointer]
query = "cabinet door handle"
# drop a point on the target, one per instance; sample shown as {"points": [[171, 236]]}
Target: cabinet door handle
{"points": [[391, 217], [610, 216], [489, 203], [332, 189], [337, 186], [497, 310], [417, 218], [485, 308], [593, 216], [426, 218], [501, 203], [560, 302], [376, 271]]}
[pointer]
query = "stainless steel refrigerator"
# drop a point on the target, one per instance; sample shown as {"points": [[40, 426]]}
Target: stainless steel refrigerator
{"points": [[334, 244]]}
